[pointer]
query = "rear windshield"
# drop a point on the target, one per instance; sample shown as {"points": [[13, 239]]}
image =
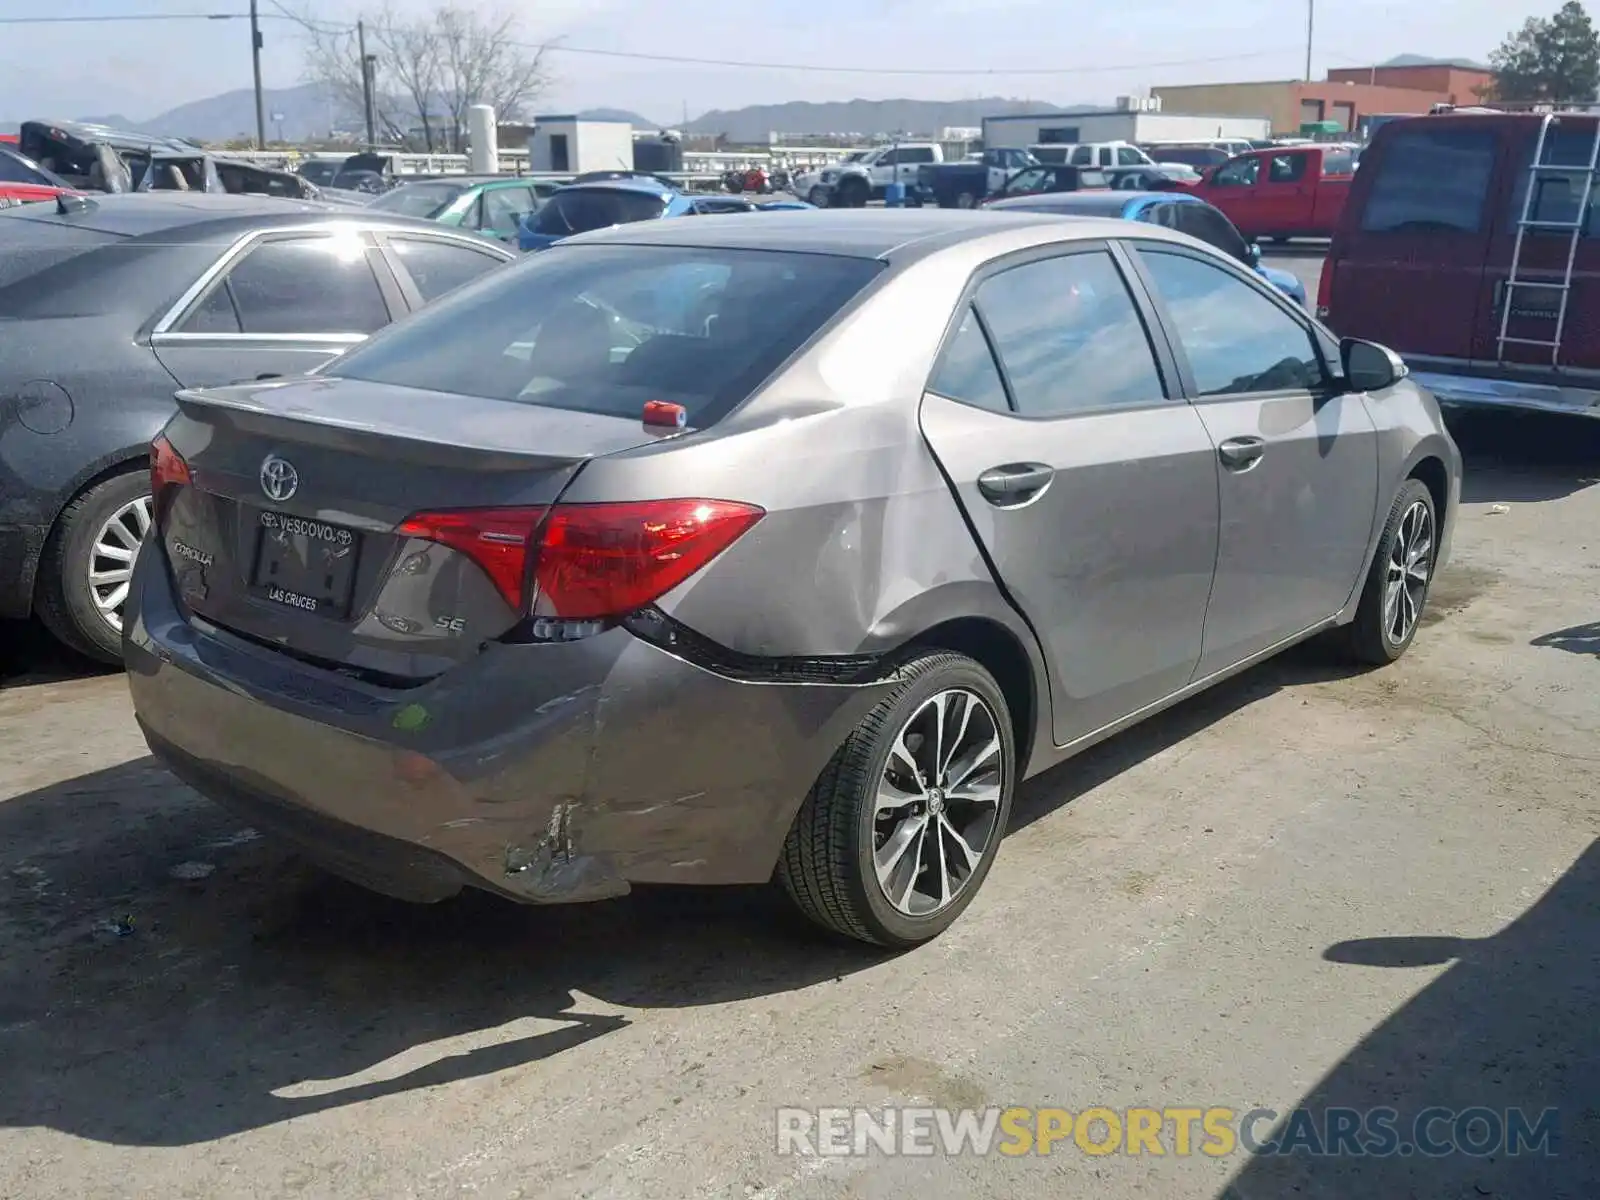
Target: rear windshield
{"points": [[30, 247], [579, 210], [1431, 179], [1190, 156], [425, 200], [603, 329]]}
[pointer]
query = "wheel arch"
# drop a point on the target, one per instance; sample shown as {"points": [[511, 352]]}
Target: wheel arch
{"points": [[124, 462], [1001, 652]]}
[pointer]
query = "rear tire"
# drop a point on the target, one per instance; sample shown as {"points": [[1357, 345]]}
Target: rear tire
{"points": [[853, 193], [818, 197], [966, 200], [92, 534], [1395, 594], [880, 857]]}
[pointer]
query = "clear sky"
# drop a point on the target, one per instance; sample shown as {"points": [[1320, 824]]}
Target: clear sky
{"points": [[1099, 50]]}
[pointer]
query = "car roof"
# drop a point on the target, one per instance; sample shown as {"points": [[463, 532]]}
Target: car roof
{"points": [[1098, 204], [903, 234], [201, 215], [650, 187]]}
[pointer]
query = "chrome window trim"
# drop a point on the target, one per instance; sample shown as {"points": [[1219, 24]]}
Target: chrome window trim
{"points": [[311, 340], [164, 328]]}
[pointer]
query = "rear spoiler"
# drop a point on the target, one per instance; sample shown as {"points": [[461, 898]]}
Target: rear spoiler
{"points": [[403, 423]]}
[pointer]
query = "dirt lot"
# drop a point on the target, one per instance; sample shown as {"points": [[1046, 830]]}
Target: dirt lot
{"points": [[1307, 886]]}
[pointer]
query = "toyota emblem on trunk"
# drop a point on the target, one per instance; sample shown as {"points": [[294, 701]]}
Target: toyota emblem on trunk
{"points": [[279, 479]]}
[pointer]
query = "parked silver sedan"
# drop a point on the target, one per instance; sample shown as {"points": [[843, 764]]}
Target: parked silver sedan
{"points": [[716, 551]]}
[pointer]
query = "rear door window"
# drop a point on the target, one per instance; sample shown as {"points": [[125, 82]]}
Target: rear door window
{"points": [[504, 208], [967, 370], [316, 284], [1431, 179], [1288, 168], [1210, 226], [1241, 172], [437, 266], [1237, 340], [581, 210], [1557, 194], [1069, 336], [603, 329]]}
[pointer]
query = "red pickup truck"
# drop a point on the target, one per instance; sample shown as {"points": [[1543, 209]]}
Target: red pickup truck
{"points": [[1282, 193]]}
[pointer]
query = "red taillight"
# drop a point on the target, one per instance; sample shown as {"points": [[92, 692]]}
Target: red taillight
{"points": [[606, 560], [497, 539], [589, 561], [167, 471]]}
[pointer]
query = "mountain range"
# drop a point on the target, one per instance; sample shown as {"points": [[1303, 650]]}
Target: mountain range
{"points": [[307, 112], [301, 113]]}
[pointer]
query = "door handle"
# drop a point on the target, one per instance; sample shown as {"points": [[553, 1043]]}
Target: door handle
{"points": [[1241, 453], [1014, 483]]}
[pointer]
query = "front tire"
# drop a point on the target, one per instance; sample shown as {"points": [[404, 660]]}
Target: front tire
{"points": [[966, 200], [1396, 591], [87, 563], [901, 829], [818, 197]]}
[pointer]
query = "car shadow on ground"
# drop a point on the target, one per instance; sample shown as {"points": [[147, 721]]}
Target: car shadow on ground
{"points": [[1310, 662], [29, 655], [1525, 458], [1577, 639], [167, 977], [1512, 1023]]}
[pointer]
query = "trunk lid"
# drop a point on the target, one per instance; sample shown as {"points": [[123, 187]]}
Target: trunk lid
{"points": [[287, 532]]}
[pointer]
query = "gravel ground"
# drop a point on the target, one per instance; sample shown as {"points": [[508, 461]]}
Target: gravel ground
{"points": [[1306, 886]]}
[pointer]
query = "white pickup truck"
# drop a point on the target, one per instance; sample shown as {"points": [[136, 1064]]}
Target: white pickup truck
{"points": [[1092, 154], [850, 184]]}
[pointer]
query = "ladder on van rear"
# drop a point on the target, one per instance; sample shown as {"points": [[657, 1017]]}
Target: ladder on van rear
{"points": [[1574, 229]]}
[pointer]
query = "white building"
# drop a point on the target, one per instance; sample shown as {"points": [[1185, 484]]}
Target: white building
{"points": [[1135, 119], [565, 144]]}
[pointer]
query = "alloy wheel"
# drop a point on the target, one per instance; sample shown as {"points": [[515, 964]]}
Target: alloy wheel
{"points": [[938, 802], [111, 559], [1406, 580]]}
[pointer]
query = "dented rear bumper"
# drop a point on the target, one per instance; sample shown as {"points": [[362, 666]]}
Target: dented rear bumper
{"points": [[546, 773]]}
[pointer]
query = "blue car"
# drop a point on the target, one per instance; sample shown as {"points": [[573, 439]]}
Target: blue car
{"points": [[622, 199], [1176, 210]]}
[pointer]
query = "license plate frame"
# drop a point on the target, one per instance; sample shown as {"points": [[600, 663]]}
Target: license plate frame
{"points": [[305, 564]]}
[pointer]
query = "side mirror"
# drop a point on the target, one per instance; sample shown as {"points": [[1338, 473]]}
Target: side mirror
{"points": [[1253, 253], [1369, 367]]}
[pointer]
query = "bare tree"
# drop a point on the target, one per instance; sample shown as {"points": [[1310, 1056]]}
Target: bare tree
{"points": [[485, 64], [429, 71]]}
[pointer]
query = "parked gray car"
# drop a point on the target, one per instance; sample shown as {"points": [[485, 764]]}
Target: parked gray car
{"points": [[109, 304], [955, 496]]}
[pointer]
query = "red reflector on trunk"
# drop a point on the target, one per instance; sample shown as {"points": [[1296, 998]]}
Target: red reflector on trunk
{"points": [[497, 539], [664, 412]]}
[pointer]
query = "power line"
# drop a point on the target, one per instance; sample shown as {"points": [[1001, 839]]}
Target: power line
{"points": [[558, 47], [108, 18]]}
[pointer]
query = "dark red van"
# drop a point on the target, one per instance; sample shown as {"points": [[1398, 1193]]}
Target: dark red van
{"points": [[1490, 289]]}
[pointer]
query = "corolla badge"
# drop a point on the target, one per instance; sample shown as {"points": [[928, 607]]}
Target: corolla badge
{"points": [[279, 479]]}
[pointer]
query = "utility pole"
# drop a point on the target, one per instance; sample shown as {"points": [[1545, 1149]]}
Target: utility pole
{"points": [[367, 62], [255, 62], [1311, 24]]}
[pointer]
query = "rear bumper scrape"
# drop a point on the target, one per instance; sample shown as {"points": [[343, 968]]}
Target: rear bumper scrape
{"points": [[544, 773]]}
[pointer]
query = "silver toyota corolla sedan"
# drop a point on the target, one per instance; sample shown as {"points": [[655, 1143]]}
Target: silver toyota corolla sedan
{"points": [[718, 551]]}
